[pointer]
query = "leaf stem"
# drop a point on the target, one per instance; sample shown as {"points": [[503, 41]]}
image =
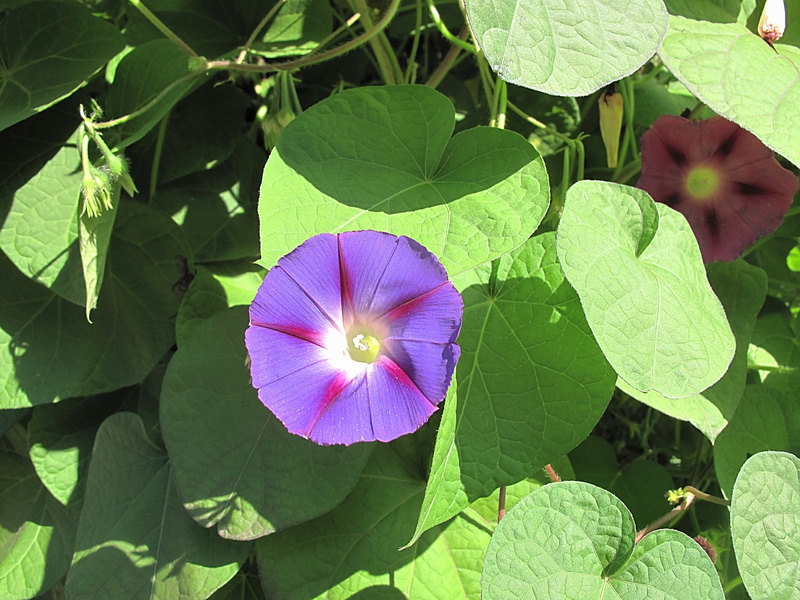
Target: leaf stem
{"points": [[660, 522], [159, 24], [447, 62], [551, 473], [312, 58], [387, 61], [501, 503], [440, 25], [154, 168], [250, 40]]}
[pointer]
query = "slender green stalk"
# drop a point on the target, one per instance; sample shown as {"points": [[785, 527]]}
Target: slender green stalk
{"points": [[154, 168], [159, 24], [411, 69], [440, 25], [315, 58], [139, 111], [249, 43], [387, 61], [447, 62], [500, 102]]}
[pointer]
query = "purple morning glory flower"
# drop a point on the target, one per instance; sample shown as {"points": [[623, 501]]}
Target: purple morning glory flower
{"points": [[352, 337]]}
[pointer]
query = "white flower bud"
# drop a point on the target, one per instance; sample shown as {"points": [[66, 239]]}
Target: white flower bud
{"points": [[772, 21]]}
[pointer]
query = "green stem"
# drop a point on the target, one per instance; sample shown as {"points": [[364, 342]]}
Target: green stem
{"points": [[411, 70], [440, 25], [387, 61], [537, 123], [500, 102], [770, 368], [248, 44], [159, 24], [580, 159], [149, 105], [154, 168], [706, 497], [313, 58], [447, 62]]}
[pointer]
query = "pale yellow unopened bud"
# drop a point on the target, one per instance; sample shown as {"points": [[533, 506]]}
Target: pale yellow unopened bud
{"points": [[611, 109], [773, 21]]}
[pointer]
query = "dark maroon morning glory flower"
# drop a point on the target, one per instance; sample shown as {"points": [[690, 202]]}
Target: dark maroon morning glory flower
{"points": [[352, 337], [725, 182]]}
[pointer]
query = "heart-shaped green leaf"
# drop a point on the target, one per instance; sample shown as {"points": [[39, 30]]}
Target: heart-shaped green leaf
{"points": [[740, 77], [235, 464], [37, 534], [383, 158], [530, 384], [638, 271], [765, 525], [135, 540], [352, 551], [741, 288], [567, 48], [49, 351], [575, 540], [759, 424], [48, 50]]}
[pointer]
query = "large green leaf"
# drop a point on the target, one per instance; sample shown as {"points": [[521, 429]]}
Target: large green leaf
{"points": [[236, 466], [216, 208], [717, 11], [40, 197], [47, 51], [637, 269], [353, 551], [135, 540], [37, 534], [641, 484], [741, 288], [567, 48], [49, 351], [60, 437], [383, 158], [759, 424], [530, 384], [739, 76], [215, 288], [765, 525], [148, 82], [202, 132], [575, 540]]}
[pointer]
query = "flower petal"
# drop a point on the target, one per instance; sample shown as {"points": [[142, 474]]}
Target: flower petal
{"points": [[287, 354], [433, 317], [382, 405], [314, 266], [280, 304], [412, 272], [363, 260], [301, 397], [429, 366]]}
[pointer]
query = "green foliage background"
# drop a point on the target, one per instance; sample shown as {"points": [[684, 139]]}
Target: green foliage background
{"points": [[158, 158]]}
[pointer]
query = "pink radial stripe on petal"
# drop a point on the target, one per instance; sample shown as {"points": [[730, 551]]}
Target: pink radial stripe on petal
{"points": [[363, 259], [314, 267], [299, 398], [430, 366], [281, 304], [432, 317], [401, 407], [382, 406], [289, 354], [346, 418], [412, 272]]}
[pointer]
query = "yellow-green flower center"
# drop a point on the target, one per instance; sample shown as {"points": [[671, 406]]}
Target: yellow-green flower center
{"points": [[702, 182], [363, 346]]}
